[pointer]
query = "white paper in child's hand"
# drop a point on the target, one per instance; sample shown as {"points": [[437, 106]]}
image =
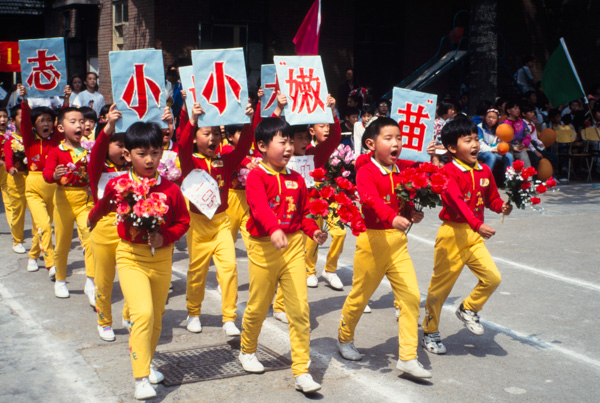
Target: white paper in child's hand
{"points": [[104, 178], [304, 165], [202, 191]]}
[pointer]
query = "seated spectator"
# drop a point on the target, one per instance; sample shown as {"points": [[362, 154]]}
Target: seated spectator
{"points": [[488, 141]]}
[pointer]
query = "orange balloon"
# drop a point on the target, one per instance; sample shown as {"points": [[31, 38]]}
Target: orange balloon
{"points": [[544, 170], [502, 148], [548, 137], [505, 132]]}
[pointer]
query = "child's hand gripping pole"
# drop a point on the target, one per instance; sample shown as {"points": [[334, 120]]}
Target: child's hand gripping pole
{"points": [[506, 209]]}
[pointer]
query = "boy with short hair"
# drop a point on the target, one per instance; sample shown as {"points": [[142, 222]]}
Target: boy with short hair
{"points": [[461, 238], [278, 201]]}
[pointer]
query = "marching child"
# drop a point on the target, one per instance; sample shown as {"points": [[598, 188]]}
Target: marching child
{"points": [[461, 238], [90, 119], [144, 259], [212, 237], [278, 201], [107, 161], [66, 165], [382, 249], [5, 133]]}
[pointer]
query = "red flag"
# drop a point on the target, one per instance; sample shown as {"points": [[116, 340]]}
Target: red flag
{"points": [[9, 57], [307, 37]]}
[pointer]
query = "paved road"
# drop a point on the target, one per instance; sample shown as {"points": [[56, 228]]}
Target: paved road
{"points": [[541, 341]]}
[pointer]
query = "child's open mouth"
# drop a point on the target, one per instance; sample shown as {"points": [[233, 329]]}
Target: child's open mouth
{"points": [[212, 147], [474, 153], [394, 153]]}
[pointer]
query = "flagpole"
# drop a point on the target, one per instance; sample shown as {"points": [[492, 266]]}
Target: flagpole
{"points": [[564, 45]]}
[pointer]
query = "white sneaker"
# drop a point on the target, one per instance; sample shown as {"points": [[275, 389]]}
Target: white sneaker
{"points": [[333, 280], [231, 329], [144, 390], [19, 248], [251, 364], [305, 384], [52, 273], [106, 333], [348, 351], [312, 281], [280, 316], [397, 314], [193, 324], [61, 290], [470, 319], [90, 291], [367, 309], [414, 368], [432, 342], [32, 265], [155, 375], [126, 324]]}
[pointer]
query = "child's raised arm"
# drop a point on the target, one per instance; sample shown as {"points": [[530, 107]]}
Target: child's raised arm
{"points": [[186, 141]]}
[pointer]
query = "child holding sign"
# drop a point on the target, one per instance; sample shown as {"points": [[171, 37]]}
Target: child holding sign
{"points": [[278, 201], [210, 231]]}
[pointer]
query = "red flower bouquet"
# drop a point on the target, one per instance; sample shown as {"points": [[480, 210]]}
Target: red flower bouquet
{"points": [[522, 189]]}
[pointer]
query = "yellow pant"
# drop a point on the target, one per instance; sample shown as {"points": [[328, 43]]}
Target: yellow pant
{"points": [[211, 238], [5, 196], [104, 241], [238, 213], [267, 266], [71, 204], [458, 245], [383, 253], [40, 200], [338, 236], [145, 281], [18, 204]]}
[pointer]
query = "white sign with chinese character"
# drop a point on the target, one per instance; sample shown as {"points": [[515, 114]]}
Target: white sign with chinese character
{"points": [[304, 165], [415, 113], [202, 191], [104, 178], [302, 80]]}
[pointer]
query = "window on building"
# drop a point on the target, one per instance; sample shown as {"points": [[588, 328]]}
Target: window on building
{"points": [[120, 21]]}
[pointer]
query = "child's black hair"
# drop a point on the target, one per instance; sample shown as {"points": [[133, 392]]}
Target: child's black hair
{"points": [[483, 107], [4, 110], [143, 135], [269, 127], [104, 110], [357, 99], [14, 111], [374, 128], [63, 112], [511, 103], [526, 107], [298, 129], [367, 110], [444, 107], [117, 137], [39, 111], [73, 77], [553, 113], [459, 127], [231, 130], [88, 113], [350, 110]]}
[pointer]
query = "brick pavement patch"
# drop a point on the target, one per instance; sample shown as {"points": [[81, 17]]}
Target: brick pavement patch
{"points": [[211, 362]]}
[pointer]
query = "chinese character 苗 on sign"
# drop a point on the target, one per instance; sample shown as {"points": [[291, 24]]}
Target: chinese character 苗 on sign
{"points": [[302, 80], [221, 86], [43, 66], [138, 84], [415, 113]]}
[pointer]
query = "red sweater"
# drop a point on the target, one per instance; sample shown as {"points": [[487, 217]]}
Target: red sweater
{"points": [[8, 152], [99, 163], [249, 159], [277, 201], [365, 158], [323, 150], [177, 219], [380, 205], [221, 167], [467, 193], [37, 148], [77, 177]]}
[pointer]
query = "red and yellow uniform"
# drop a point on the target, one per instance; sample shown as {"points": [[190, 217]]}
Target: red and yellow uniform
{"points": [[105, 238], [3, 177], [72, 203], [145, 278], [278, 201], [458, 243], [39, 193], [382, 251], [212, 237]]}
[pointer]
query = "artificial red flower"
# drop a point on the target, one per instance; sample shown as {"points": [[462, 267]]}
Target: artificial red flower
{"points": [[368, 200], [342, 199], [428, 167], [344, 183], [550, 183], [420, 181], [327, 192], [319, 207], [518, 165], [438, 183], [357, 226], [535, 200], [525, 185], [528, 172], [313, 193], [541, 188], [318, 174], [344, 213]]}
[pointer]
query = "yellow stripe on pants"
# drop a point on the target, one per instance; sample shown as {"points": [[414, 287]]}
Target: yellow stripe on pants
{"points": [[40, 200], [238, 213], [458, 245], [338, 236], [71, 204], [5, 196], [105, 240], [267, 266], [145, 281], [383, 253], [208, 238]]}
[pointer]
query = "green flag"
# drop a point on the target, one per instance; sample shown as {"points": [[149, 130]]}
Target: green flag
{"points": [[560, 81]]}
